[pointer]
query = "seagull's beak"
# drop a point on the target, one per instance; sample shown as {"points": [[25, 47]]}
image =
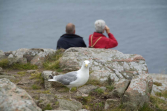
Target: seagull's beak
{"points": [[86, 65]]}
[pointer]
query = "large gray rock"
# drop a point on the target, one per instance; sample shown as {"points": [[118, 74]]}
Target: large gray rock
{"points": [[105, 63], [120, 87], [69, 105], [34, 56], [14, 98], [138, 92]]}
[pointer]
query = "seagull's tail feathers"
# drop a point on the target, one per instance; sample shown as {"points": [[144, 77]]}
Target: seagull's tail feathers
{"points": [[51, 80]]}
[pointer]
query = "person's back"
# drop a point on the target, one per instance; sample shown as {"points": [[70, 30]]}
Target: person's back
{"points": [[70, 39], [98, 40]]}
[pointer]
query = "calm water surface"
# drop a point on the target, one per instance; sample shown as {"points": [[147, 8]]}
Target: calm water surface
{"points": [[140, 26]]}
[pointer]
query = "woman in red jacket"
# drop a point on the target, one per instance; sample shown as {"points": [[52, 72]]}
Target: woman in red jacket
{"points": [[98, 40]]}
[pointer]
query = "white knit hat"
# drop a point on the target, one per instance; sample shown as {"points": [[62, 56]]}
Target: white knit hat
{"points": [[100, 25]]}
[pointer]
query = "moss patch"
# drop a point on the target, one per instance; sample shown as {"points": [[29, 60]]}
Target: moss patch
{"points": [[158, 104], [157, 83], [52, 62], [162, 94], [4, 63]]}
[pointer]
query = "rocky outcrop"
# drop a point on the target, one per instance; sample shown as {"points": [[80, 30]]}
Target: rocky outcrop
{"points": [[138, 92], [14, 98], [160, 83], [105, 63], [33, 56], [69, 105], [120, 87]]}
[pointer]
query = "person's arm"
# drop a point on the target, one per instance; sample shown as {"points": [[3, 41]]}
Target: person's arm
{"points": [[83, 43], [112, 42]]}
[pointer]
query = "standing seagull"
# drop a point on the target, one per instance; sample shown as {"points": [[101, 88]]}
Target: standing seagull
{"points": [[75, 78]]}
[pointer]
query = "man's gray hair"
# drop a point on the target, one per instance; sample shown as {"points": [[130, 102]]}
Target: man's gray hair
{"points": [[100, 25]]}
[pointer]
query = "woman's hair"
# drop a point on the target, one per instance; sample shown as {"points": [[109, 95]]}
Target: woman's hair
{"points": [[100, 25]]}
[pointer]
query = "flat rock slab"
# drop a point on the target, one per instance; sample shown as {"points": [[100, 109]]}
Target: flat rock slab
{"points": [[104, 63], [14, 98], [69, 105]]}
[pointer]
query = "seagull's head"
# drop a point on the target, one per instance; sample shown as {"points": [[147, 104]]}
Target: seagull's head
{"points": [[86, 63]]}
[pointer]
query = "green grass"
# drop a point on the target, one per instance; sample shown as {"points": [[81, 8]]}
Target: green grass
{"points": [[35, 87], [110, 88], [48, 107], [4, 63], [145, 107], [159, 104], [52, 62], [22, 73], [38, 77], [162, 94], [157, 83], [99, 91], [93, 82]]}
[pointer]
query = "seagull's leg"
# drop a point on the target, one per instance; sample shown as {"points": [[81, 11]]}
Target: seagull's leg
{"points": [[70, 93]]}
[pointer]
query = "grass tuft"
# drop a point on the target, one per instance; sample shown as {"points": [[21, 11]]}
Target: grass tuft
{"points": [[22, 73], [157, 83], [52, 62], [162, 94], [35, 87], [4, 63], [48, 107]]}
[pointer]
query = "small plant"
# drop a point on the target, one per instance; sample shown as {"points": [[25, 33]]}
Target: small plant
{"points": [[48, 107], [35, 87], [158, 103], [99, 91], [19, 66], [110, 88], [37, 76], [146, 107], [157, 83], [22, 73], [93, 82], [162, 94], [52, 62], [4, 63]]}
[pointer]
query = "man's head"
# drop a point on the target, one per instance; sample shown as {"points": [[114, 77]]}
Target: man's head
{"points": [[100, 26], [70, 28]]}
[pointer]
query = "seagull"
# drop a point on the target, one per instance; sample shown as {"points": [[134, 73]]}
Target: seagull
{"points": [[74, 78]]}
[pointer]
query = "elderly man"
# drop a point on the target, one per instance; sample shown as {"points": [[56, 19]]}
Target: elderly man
{"points": [[70, 39], [98, 40]]}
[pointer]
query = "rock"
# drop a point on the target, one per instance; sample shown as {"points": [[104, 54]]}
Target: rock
{"points": [[2, 55], [120, 87], [14, 98], [57, 110], [159, 83], [41, 56], [86, 89], [138, 92], [111, 103], [7, 76], [47, 99], [103, 88], [83, 110], [69, 105], [45, 75], [33, 56], [105, 63]]}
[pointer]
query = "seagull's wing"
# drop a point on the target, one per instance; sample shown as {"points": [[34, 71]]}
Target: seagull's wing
{"points": [[67, 78]]}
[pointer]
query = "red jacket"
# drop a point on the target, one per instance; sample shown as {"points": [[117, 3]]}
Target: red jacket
{"points": [[104, 42]]}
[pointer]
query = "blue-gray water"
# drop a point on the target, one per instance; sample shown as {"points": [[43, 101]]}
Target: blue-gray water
{"points": [[140, 26]]}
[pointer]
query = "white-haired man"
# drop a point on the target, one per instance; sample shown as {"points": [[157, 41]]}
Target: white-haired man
{"points": [[98, 40]]}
